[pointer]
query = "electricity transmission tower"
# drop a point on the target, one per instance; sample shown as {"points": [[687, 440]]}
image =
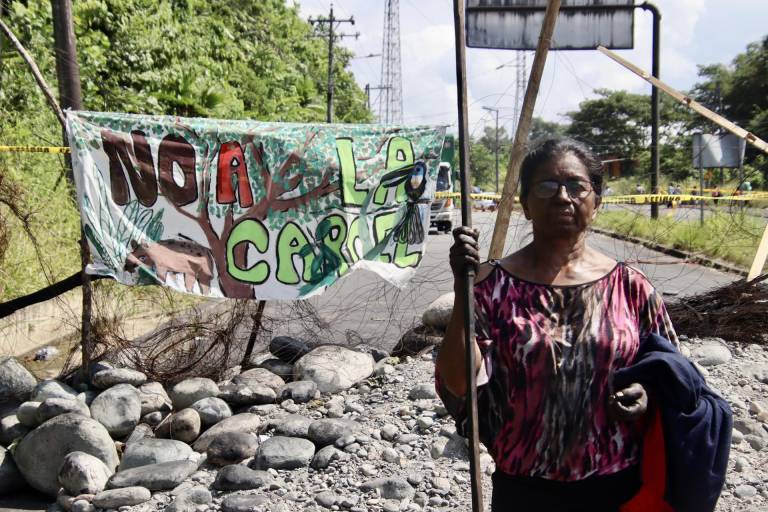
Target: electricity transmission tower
{"points": [[391, 98], [520, 85]]}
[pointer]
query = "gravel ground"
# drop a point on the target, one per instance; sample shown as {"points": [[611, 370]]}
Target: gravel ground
{"points": [[411, 440]]}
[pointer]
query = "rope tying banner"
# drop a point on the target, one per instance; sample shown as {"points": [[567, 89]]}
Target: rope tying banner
{"points": [[33, 149]]}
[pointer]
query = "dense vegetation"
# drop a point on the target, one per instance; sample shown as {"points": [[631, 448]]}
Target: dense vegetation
{"points": [[616, 124], [235, 60]]}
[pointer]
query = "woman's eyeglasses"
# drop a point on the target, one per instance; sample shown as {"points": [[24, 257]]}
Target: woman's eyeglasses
{"points": [[575, 188]]}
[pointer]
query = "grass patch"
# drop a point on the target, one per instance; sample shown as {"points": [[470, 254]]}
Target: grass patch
{"points": [[730, 236]]}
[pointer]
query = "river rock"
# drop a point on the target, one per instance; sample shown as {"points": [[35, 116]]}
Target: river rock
{"points": [[82, 473], [142, 431], [327, 430], [231, 448], [300, 392], [288, 349], [111, 377], [333, 368], [125, 497], [422, 391], [280, 368], [189, 391], [154, 451], [27, 414], [711, 352], [293, 425], [153, 419], [41, 453], [153, 398], [243, 502], [390, 488], [10, 477], [259, 377], [325, 455], [155, 477], [211, 410], [244, 422], [53, 407], [245, 395], [184, 425], [11, 429], [16, 383], [283, 453], [438, 313], [51, 389], [118, 409], [237, 477]]}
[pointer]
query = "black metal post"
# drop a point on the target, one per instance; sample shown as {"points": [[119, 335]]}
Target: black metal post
{"points": [[469, 276], [656, 48]]}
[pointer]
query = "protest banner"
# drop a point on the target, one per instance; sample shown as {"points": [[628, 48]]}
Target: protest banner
{"points": [[248, 209]]}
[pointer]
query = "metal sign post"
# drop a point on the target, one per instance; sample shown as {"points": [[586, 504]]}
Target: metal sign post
{"points": [[469, 275]]}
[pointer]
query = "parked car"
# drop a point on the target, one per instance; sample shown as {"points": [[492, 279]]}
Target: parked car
{"points": [[483, 204], [442, 214]]}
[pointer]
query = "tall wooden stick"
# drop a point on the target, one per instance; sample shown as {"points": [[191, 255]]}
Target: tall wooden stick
{"points": [[68, 74], [468, 278], [523, 128], [27, 58]]}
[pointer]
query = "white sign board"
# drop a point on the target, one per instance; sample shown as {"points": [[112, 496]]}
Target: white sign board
{"points": [[717, 150], [581, 24]]}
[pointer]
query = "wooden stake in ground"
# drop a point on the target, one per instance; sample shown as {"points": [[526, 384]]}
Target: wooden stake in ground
{"points": [[68, 74], [523, 128], [760, 256], [468, 278], [689, 102]]}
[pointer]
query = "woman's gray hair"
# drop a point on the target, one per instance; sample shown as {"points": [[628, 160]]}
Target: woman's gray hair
{"points": [[555, 147]]}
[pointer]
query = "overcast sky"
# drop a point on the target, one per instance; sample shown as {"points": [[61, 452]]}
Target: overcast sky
{"points": [[692, 32]]}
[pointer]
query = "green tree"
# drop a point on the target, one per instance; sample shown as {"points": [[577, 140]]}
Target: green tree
{"points": [[541, 129]]}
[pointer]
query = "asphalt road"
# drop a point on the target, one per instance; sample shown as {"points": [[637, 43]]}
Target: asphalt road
{"points": [[363, 307]]}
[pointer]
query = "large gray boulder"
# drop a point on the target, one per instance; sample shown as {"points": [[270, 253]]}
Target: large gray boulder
{"points": [[125, 497], [280, 368], [118, 409], [11, 429], [288, 349], [244, 422], [183, 425], [237, 477], [10, 477], [438, 313], [53, 407], [27, 414], [105, 379], [326, 431], [153, 398], [390, 488], [82, 473], [334, 368], [231, 448], [154, 451], [300, 392], [211, 410], [16, 383], [293, 425], [283, 453], [155, 477], [51, 389], [259, 377], [189, 391], [244, 395], [711, 352], [41, 453]]}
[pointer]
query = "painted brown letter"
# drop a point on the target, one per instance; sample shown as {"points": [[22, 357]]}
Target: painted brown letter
{"points": [[121, 157], [175, 148]]}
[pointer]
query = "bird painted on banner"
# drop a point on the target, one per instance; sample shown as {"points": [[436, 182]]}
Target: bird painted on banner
{"points": [[410, 228]]}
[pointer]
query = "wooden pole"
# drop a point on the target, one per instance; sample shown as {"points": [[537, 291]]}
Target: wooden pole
{"points": [[689, 102], [507, 200], [760, 256], [468, 278], [27, 58], [68, 74]]}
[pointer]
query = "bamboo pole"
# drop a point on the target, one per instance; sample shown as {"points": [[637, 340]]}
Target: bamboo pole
{"points": [[689, 102], [521, 135]]}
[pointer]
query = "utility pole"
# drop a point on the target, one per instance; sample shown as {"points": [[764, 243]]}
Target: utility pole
{"points": [[332, 36], [496, 147], [68, 75]]}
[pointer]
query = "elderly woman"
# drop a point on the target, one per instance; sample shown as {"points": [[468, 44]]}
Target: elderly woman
{"points": [[554, 321]]}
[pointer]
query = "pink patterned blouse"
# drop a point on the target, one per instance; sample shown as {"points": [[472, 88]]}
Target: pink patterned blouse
{"points": [[549, 353]]}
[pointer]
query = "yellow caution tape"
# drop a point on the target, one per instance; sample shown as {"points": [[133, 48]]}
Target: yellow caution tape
{"points": [[632, 199], [33, 149]]}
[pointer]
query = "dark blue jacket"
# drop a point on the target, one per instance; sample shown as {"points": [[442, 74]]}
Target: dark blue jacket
{"points": [[697, 423]]}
